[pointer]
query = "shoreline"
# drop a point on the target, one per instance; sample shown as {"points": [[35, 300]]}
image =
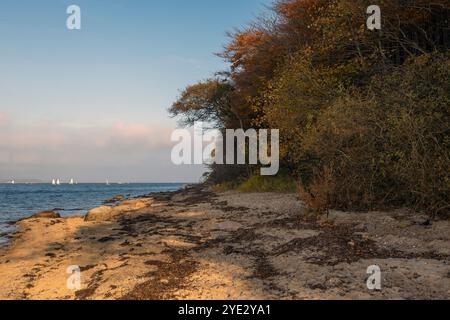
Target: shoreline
{"points": [[196, 244], [73, 208]]}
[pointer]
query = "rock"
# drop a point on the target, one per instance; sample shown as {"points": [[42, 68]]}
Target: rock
{"points": [[103, 213], [106, 213], [114, 200], [46, 215]]}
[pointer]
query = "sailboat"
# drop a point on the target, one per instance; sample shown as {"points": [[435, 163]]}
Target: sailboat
{"points": [[107, 182], [13, 182], [58, 182], [71, 181], [54, 182]]}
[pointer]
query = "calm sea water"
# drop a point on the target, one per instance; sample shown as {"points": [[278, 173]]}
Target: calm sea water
{"points": [[23, 200]]}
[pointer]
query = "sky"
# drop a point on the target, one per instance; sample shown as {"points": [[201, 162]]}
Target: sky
{"points": [[92, 103]]}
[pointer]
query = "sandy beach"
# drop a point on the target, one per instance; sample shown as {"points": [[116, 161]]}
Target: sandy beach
{"points": [[196, 244]]}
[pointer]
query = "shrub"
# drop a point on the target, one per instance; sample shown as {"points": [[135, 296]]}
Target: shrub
{"points": [[384, 145], [281, 183]]}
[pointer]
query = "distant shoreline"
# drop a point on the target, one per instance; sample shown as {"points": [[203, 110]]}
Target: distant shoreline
{"points": [[49, 183]]}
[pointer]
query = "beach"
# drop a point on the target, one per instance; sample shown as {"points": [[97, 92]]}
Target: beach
{"points": [[197, 244]]}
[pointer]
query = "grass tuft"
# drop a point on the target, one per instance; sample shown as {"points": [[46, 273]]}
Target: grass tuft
{"points": [[282, 183]]}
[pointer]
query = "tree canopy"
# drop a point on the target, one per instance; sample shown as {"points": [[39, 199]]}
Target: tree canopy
{"points": [[363, 114]]}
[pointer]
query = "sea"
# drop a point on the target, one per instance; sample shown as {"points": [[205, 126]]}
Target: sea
{"points": [[18, 201]]}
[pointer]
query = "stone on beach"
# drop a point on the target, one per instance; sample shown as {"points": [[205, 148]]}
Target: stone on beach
{"points": [[106, 213], [114, 200], [46, 215], [103, 213]]}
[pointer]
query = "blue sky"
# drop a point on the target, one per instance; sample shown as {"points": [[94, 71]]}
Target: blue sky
{"points": [[111, 81]]}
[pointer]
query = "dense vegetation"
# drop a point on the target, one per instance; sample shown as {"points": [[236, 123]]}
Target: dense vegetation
{"points": [[363, 115]]}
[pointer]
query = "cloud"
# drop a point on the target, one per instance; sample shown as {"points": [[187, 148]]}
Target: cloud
{"points": [[126, 152], [133, 137], [128, 143], [4, 119]]}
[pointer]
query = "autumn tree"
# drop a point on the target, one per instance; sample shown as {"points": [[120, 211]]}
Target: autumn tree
{"points": [[363, 115]]}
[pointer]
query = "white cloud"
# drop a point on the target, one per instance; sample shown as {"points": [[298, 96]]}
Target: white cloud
{"points": [[4, 119], [133, 137], [46, 144], [126, 152]]}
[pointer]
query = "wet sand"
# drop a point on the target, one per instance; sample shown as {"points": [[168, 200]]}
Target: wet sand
{"points": [[195, 244]]}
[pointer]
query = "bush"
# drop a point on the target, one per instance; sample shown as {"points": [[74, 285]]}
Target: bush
{"points": [[281, 183], [416, 98], [225, 186], [384, 145]]}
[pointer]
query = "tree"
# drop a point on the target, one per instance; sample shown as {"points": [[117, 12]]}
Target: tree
{"points": [[208, 101]]}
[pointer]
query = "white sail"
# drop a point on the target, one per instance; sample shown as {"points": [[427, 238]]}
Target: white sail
{"points": [[53, 182], [71, 181], [13, 182], [107, 182], [58, 182]]}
